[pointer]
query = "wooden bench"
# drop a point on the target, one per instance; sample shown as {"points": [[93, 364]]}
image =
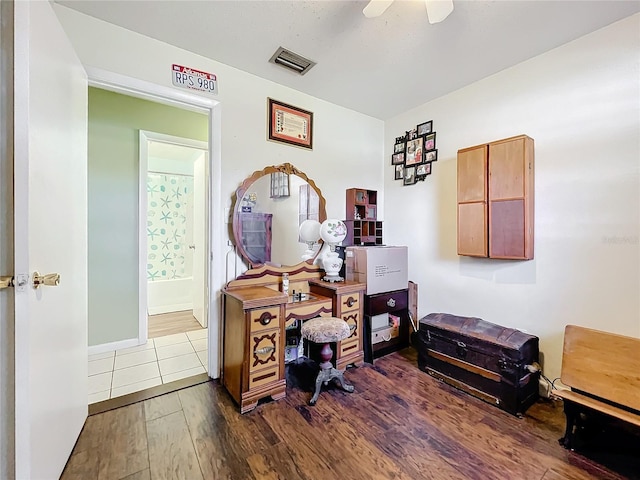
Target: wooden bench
{"points": [[603, 371]]}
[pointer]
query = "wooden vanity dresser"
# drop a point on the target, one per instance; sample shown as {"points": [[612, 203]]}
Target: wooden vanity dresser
{"points": [[256, 315]]}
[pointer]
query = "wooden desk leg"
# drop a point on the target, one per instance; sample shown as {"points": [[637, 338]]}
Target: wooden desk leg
{"points": [[571, 412]]}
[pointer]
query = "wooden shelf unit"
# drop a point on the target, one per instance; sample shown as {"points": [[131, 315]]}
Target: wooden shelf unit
{"points": [[361, 204], [363, 228], [363, 232]]}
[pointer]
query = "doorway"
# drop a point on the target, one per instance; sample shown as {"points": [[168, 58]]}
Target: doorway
{"points": [[173, 222], [174, 175], [193, 180]]}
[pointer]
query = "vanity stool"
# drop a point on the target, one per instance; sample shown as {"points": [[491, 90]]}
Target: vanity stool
{"points": [[325, 330]]}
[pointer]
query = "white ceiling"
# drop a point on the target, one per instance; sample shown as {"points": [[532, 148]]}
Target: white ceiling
{"points": [[382, 66]]}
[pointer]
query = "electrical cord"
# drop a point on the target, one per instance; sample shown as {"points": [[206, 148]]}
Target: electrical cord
{"points": [[553, 387], [535, 367]]}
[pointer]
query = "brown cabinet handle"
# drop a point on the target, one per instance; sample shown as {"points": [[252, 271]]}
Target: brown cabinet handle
{"points": [[266, 318], [264, 350], [350, 302]]}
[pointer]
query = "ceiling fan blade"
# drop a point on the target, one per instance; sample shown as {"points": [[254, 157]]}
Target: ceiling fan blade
{"points": [[438, 10], [375, 8]]}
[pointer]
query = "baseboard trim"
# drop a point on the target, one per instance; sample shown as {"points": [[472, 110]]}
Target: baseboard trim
{"points": [[113, 346], [135, 397], [179, 307]]}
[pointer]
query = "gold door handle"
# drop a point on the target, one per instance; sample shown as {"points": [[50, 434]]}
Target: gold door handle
{"points": [[50, 279], [6, 282]]}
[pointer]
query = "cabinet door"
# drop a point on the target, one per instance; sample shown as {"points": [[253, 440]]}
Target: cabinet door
{"points": [[472, 202], [511, 198]]}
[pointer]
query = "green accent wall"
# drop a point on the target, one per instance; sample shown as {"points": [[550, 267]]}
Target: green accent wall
{"points": [[114, 124]]}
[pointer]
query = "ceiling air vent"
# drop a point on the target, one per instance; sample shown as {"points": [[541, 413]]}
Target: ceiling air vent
{"points": [[291, 61]]}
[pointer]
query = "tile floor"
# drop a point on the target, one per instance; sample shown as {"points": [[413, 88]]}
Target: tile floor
{"points": [[160, 360]]}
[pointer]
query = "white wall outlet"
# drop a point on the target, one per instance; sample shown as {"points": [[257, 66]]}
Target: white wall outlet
{"points": [[544, 389]]}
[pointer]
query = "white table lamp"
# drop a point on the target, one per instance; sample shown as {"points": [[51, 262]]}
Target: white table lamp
{"points": [[332, 232], [310, 234]]}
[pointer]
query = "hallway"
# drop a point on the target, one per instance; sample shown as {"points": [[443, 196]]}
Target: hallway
{"points": [[161, 360]]}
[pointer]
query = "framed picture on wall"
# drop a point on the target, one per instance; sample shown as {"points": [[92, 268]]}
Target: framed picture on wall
{"points": [[398, 148], [425, 128], [399, 172], [289, 124], [409, 176], [430, 141], [431, 156], [397, 158], [413, 152], [423, 170]]}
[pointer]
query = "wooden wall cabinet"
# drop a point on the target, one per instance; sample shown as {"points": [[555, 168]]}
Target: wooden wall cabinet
{"points": [[496, 199]]}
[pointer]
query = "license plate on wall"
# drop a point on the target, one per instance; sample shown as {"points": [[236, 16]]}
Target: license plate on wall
{"points": [[186, 77]]}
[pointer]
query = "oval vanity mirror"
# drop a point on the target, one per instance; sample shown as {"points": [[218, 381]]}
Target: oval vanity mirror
{"points": [[269, 207]]}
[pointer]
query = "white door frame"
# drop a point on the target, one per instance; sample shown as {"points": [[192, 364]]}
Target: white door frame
{"points": [[182, 99], [144, 137], [7, 297]]}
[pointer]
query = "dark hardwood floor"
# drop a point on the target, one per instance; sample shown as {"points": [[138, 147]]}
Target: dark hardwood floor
{"points": [[398, 424]]}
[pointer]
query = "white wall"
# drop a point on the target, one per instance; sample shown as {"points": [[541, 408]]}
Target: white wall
{"points": [[581, 104], [347, 146]]}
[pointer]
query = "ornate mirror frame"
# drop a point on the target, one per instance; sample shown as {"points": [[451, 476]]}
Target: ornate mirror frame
{"points": [[246, 184]]}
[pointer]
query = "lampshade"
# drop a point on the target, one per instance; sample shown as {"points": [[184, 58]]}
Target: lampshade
{"points": [[438, 10], [333, 231], [310, 231]]}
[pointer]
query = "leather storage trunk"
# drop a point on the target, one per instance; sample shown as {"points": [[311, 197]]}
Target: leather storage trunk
{"points": [[484, 359]]}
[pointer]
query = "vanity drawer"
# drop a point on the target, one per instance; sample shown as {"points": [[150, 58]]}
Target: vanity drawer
{"points": [[353, 320], [350, 301], [264, 350], [305, 311], [263, 377], [264, 319], [348, 346], [386, 302]]}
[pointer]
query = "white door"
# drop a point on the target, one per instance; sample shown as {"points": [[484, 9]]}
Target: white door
{"points": [[50, 237], [199, 237]]}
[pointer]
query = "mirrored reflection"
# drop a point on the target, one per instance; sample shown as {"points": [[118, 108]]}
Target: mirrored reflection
{"points": [[266, 221]]}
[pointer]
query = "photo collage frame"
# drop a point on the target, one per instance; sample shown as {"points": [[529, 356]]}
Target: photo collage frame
{"points": [[414, 154]]}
